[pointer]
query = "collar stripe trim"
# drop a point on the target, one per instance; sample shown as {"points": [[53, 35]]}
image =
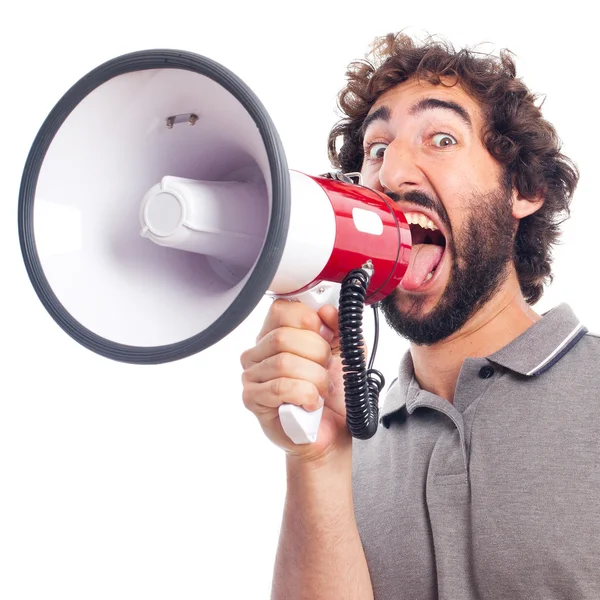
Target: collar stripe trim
{"points": [[574, 336]]}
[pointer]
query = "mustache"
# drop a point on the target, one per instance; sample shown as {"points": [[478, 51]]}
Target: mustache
{"points": [[421, 199]]}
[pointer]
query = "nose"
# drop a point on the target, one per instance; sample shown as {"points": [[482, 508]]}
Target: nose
{"points": [[399, 170]]}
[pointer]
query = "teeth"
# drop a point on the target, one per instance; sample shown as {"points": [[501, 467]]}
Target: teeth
{"points": [[429, 276], [415, 218]]}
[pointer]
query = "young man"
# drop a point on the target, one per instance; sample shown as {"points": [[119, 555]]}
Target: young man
{"points": [[483, 480]]}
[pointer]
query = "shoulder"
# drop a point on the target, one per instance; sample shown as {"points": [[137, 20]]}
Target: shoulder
{"points": [[584, 357], [577, 372]]}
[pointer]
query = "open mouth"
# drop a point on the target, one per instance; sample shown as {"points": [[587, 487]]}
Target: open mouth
{"points": [[428, 246]]}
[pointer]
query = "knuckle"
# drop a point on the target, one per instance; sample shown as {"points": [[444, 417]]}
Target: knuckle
{"points": [[247, 398], [310, 396], [323, 383], [325, 356], [248, 386], [278, 338], [278, 309], [280, 386], [244, 358], [282, 362], [310, 320]]}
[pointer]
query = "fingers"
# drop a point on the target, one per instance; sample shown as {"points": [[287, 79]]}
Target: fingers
{"points": [[284, 313], [263, 398], [288, 366], [306, 344]]}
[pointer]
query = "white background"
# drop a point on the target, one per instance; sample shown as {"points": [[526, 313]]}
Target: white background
{"points": [[128, 482]]}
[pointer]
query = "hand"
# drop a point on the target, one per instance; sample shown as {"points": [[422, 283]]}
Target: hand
{"points": [[296, 360]]}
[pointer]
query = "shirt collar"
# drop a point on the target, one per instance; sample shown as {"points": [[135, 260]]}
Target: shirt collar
{"points": [[543, 344], [533, 352]]}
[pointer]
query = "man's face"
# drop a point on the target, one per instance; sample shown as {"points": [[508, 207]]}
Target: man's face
{"points": [[423, 147]]}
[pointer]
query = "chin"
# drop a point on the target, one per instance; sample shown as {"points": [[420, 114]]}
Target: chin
{"points": [[416, 304]]}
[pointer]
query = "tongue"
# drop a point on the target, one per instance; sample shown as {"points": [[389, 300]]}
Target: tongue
{"points": [[423, 259]]}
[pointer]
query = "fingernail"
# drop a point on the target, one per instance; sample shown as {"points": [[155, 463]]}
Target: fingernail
{"points": [[326, 333]]}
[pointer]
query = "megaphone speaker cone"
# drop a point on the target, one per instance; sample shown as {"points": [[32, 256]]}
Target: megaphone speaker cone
{"points": [[133, 123]]}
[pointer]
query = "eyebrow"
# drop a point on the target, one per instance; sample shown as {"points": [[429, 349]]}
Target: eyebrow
{"points": [[433, 103], [383, 112]]}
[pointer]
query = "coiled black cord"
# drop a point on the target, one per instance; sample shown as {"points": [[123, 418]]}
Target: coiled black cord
{"points": [[362, 385]]}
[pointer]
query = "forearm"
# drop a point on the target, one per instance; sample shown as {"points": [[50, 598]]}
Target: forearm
{"points": [[320, 555]]}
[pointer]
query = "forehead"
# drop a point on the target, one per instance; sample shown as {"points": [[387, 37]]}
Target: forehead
{"points": [[400, 99]]}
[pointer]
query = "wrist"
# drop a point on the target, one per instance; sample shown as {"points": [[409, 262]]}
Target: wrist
{"points": [[321, 485], [336, 458]]}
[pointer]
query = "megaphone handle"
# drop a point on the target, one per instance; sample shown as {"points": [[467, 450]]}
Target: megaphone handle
{"points": [[301, 425]]}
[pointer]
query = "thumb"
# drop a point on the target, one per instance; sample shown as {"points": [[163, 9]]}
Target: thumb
{"points": [[330, 331], [329, 316]]}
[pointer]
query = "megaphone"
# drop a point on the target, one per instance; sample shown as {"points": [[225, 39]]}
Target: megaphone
{"points": [[157, 209]]}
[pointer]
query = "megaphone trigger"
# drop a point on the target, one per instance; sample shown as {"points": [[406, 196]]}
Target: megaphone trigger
{"points": [[300, 425]]}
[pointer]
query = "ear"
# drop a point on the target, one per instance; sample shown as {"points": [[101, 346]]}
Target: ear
{"points": [[523, 207]]}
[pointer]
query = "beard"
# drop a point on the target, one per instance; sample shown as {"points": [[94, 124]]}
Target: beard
{"points": [[480, 254]]}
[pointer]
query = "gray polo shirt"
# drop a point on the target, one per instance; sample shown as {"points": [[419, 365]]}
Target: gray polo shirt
{"points": [[496, 496]]}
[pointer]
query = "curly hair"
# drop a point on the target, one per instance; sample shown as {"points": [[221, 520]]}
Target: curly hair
{"points": [[515, 133]]}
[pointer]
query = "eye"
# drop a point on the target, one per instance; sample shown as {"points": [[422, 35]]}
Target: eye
{"points": [[376, 151], [443, 140]]}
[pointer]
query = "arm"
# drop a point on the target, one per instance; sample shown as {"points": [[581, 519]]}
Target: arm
{"points": [[320, 554], [294, 361]]}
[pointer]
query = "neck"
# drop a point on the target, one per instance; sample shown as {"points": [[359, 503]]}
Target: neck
{"points": [[506, 316]]}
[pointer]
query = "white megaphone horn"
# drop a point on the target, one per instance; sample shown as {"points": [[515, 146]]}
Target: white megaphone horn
{"points": [[156, 210]]}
